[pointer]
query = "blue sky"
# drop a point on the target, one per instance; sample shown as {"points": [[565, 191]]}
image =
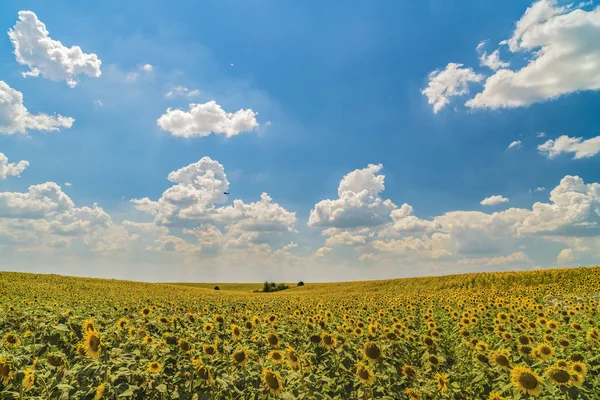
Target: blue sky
{"points": [[333, 87]]}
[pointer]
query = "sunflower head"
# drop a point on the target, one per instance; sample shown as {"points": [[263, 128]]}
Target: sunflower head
{"points": [[240, 356], [372, 351], [558, 376], [364, 374], [273, 340], [28, 379], [272, 382], [442, 381], [92, 344], [526, 380], [409, 372], [495, 396], [579, 367], [154, 367], [412, 394], [293, 359], [12, 340], [276, 357]]}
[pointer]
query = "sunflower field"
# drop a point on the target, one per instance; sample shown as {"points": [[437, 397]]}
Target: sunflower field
{"points": [[512, 335]]}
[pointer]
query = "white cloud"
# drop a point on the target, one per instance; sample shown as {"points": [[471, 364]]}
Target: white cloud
{"points": [[181, 91], [565, 256], [565, 144], [323, 251], [204, 119], [99, 103], [517, 257], [15, 118], [195, 197], [68, 184], [358, 203], [47, 57], [540, 134], [147, 68], [452, 81], [515, 145], [494, 200], [11, 169], [36, 203], [492, 60], [540, 189], [564, 57]]}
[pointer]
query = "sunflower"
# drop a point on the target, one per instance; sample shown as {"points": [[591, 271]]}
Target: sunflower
{"points": [[558, 376], [6, 371], [328, 340], [56, 360], [145, 312], [12, 340], [210, 350], [273, 382], [154, 367], [273, 340], [100, 391], [371, 351], [442, 381], [218, 319], [434, 361], [579, 368], [236, 332], [495, 396], [276, 357], [526, 380], [364, 374], [412, 394], [184, 345], [500, 358], [28, 379], [576, 379], [88, 325], [121, 323], [240, 356], [203, 371], [92, 344], [409, 372], [293, 359], [208, 327], [148, 339], [543, 351]]}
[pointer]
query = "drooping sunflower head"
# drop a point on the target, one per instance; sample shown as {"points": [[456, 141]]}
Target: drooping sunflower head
{"points": [[154, 367], [412, 394], [202, 371], [442, 381], [273, 382], [372, 351], [218, 319], [92, 344], [6, 371], [526, 380], [558, 376], [28, 379], [56, 360], [364, 374], [12, 340], [409, 372], [293, 359]]}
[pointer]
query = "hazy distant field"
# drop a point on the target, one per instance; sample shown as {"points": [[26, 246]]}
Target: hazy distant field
{"points": [[476, 336]]}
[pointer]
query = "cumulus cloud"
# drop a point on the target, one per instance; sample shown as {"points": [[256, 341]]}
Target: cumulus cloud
{"points": [[15, 118], [358, 203], [565, 256], [494, 200], [204, 119], [564, 57], [565, 144], [38, 201], [515, 145], [11, 169], [452, 81], [147, 67], [47, 57], [182, 91], [492, 60]]}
